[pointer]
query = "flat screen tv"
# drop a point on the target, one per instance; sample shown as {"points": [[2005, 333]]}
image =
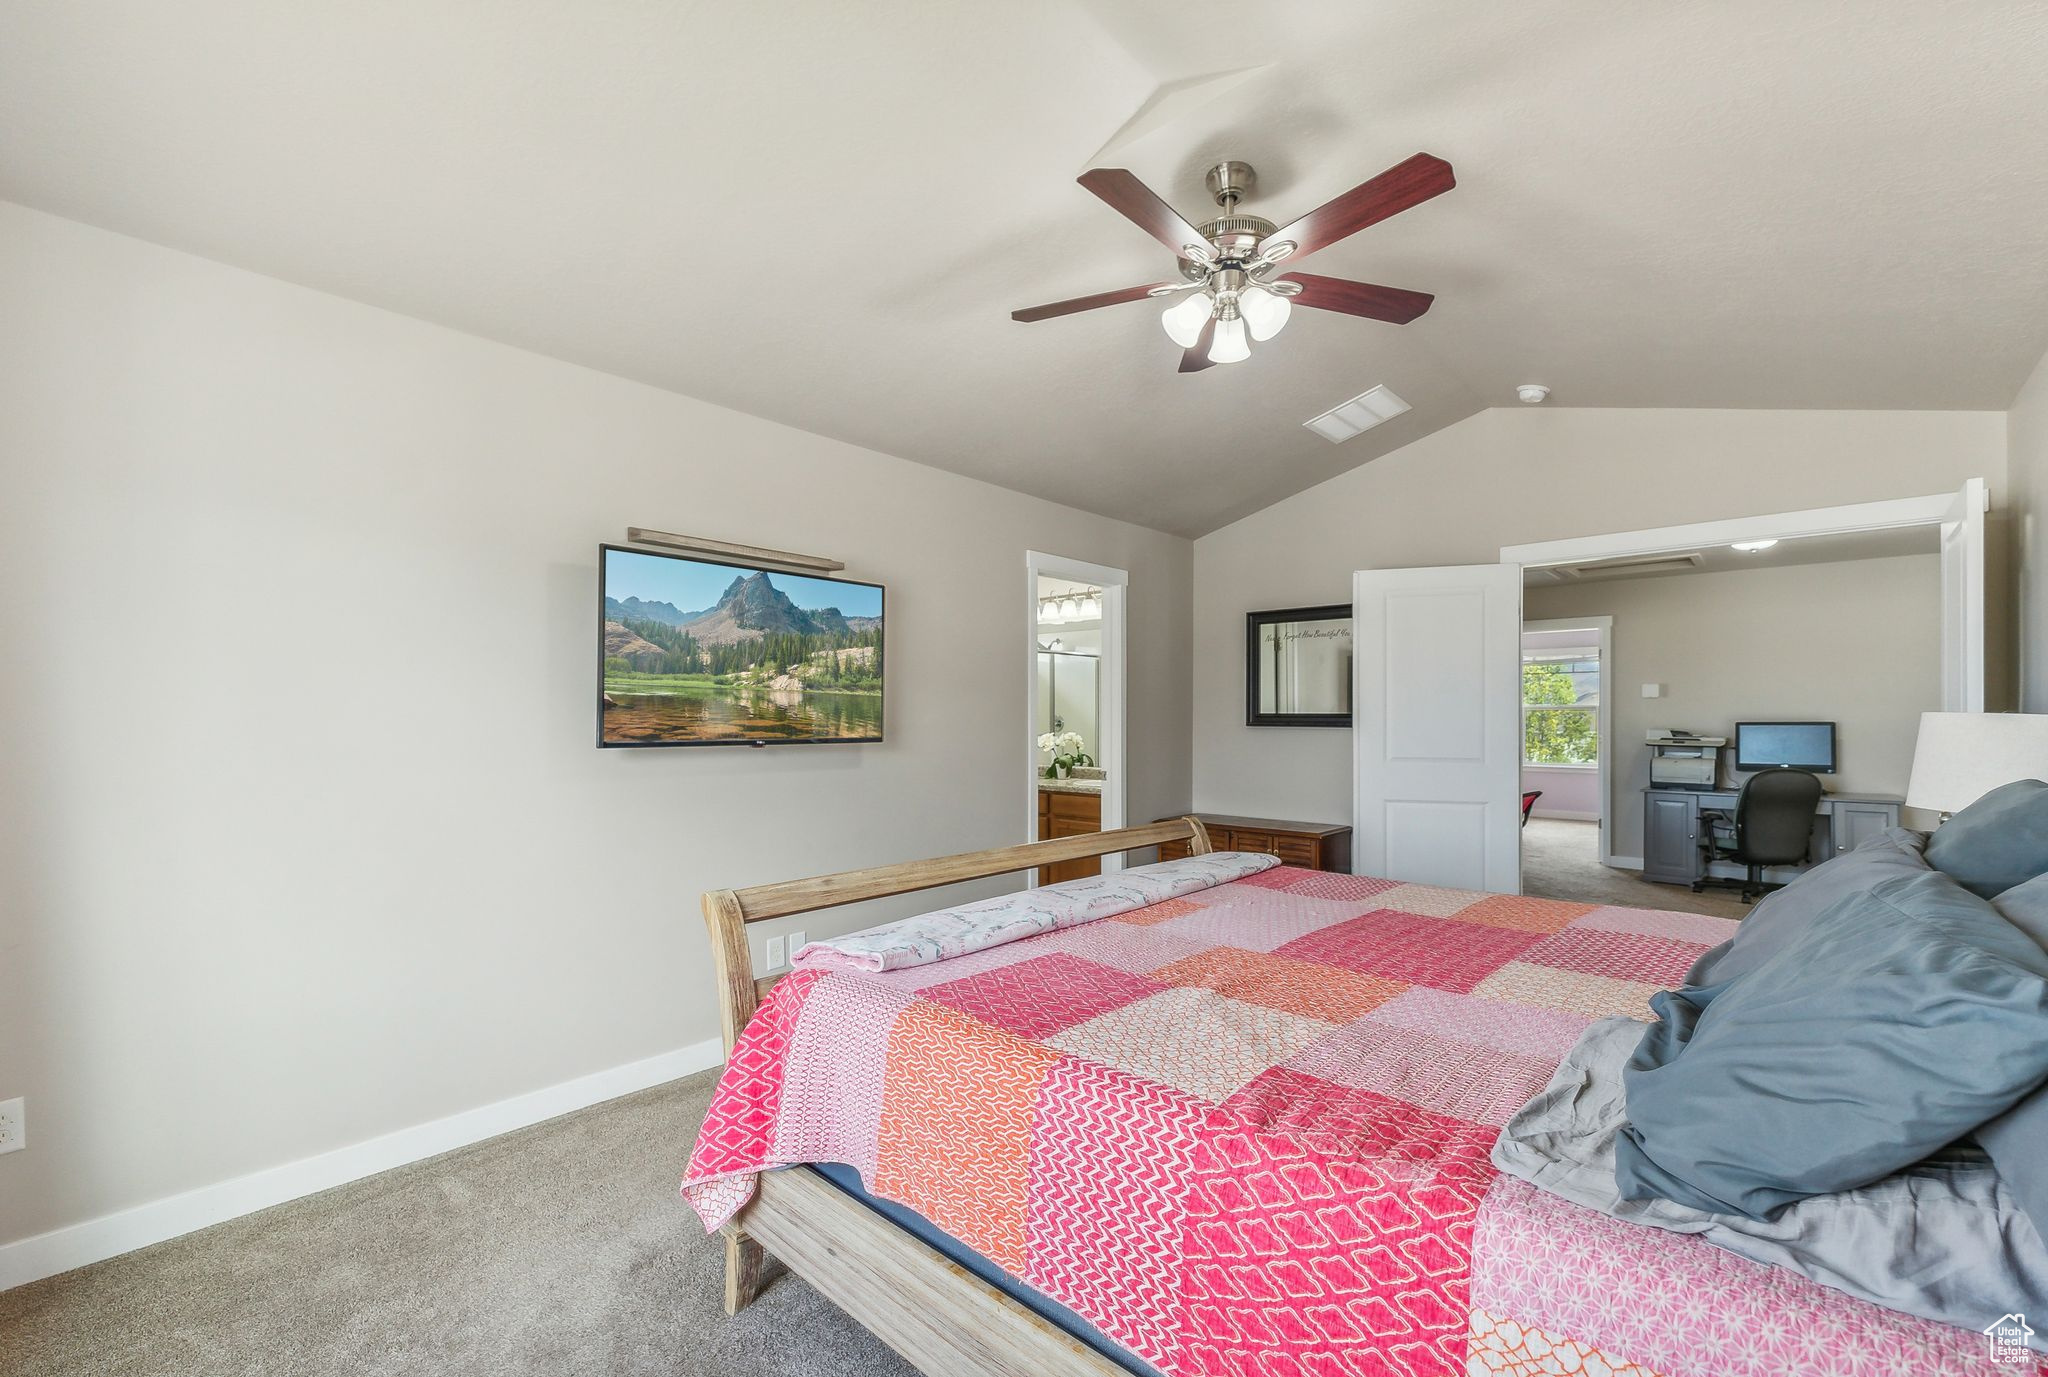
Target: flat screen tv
{"points": [[695, 652]]}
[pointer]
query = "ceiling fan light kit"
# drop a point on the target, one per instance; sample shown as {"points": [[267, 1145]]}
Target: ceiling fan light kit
{"points": [[1185, 318], [1230, 270], [1265, 313], [1232, 342]]}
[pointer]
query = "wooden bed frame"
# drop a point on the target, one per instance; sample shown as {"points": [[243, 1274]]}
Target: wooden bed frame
{"points": [[941, 1318]]}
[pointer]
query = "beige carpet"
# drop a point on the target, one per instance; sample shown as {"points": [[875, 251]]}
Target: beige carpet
{"points": [[1561, 860], [561, 1249]]}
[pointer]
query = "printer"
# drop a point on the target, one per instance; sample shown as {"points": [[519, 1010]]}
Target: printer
{"points": [[1681, 760]]}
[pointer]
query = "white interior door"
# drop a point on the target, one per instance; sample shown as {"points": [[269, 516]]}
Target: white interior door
{"points": [[1962, 601], [1436, 709]]}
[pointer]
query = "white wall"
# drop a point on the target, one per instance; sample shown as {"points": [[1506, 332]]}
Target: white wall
{"points": [[1569, 791], [1504, 477], [303, 837], [1857, 643], [2027, 450]]}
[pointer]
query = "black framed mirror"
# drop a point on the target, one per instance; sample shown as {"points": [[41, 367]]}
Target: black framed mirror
{"points": [[1297, 667]]}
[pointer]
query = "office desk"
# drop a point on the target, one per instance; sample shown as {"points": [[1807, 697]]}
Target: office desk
{"points": [[1672, 830]]}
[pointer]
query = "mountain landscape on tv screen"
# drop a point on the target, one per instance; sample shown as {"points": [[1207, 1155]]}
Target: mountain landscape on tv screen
{"points": [[753, 666]]}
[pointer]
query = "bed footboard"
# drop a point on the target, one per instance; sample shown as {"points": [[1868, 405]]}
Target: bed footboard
{"points": [[728, 911], [777, 1218]]}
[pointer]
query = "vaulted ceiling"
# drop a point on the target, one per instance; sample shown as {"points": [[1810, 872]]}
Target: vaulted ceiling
{"points": [[823, 213]]}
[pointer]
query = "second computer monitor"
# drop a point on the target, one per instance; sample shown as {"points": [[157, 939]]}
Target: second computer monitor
{"points": [[1785, 745]]}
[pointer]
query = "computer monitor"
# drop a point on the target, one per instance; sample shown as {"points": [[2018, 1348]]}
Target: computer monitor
{"points": [[1785, 745]]}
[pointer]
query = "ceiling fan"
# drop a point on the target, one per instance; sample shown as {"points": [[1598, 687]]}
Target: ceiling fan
{"points": [[1230, 267]]}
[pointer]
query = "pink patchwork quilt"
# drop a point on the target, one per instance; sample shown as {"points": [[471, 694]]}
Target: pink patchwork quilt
{"points": [[1247, 1130]]}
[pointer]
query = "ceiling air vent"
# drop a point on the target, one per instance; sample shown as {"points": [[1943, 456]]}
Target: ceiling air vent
{"points": [[1358, 415], [1633, 567]]}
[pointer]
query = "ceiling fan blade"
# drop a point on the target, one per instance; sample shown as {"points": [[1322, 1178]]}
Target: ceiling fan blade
{"points": [[1089, 303], [1393, 304], [1401, 186], [1133, 200], [1197, 356]]}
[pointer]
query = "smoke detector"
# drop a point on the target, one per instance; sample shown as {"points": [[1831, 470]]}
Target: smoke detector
{"points": [[1532, 393]]}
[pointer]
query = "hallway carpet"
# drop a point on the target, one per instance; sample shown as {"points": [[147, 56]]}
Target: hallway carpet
{"points": [[1561, 860], [562, 1249]]}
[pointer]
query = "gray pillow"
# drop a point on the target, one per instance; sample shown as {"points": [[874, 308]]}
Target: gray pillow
{"points": [[2018, 1139], [1780, 915], [1998, 842], [1889, 1026], [2025, 906]]}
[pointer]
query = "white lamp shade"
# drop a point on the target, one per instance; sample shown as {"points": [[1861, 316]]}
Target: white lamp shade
{"points": [[1185, 318], [1230, 345], [1264, 314], [1962, 756]]}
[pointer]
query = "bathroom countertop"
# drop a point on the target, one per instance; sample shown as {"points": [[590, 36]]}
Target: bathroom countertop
{"points": [[1070, 786]]}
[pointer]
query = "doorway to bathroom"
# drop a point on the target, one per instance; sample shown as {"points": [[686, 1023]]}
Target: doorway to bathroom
{"points": [[1075, 731]]}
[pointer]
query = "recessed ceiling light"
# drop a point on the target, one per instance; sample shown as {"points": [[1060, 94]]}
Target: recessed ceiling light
{"points": [[1750, 547], [1358, 415]]}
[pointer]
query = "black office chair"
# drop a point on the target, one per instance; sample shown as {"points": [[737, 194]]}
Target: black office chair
{"points": [[1773, 826]]}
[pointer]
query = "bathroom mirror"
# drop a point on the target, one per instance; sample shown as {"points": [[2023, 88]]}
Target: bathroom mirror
{"points": [[1298, 667]]}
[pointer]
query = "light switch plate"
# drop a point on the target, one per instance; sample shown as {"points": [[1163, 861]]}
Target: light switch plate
{"points": [[1653, 690], [796, 943], [13, 1124]]}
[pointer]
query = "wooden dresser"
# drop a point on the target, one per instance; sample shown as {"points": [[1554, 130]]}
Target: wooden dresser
{"points": [[1316, 845]]}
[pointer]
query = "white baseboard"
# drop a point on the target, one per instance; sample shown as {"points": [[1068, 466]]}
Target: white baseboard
{"points": [[1625, 862], [60, 1250], [1564, 816]]}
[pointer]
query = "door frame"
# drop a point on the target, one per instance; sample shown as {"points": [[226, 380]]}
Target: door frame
{"points": [[1603, 629], [1957, 514], [1110, 681], [1657, 540]]}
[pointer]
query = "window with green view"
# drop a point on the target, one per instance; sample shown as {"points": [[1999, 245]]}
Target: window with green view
{"points": [[1561, 711]]}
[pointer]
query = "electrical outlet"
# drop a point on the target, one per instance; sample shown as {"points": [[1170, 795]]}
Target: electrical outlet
{"points": [[796, 943], [775, 953], [13, 1124]]}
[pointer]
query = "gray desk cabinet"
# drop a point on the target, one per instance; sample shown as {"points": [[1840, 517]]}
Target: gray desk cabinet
{"points": [[1856, 821], [1673, 829]]}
